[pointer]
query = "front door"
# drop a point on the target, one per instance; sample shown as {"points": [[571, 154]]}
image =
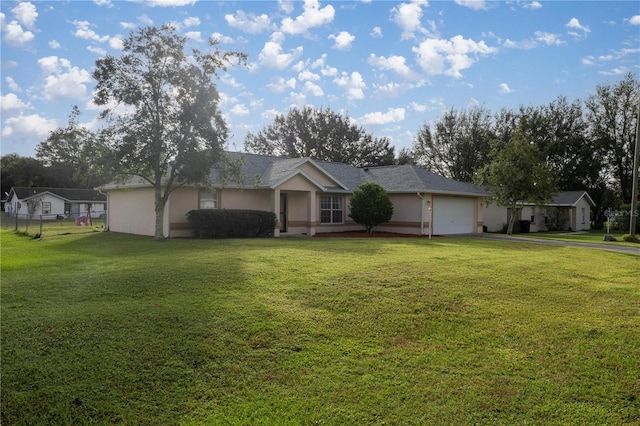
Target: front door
{"points": [[283, 212]]}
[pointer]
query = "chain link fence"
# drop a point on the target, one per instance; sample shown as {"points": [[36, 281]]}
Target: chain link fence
{"points": [[48, 225]]}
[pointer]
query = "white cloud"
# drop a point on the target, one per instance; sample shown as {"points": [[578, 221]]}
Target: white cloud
{"points": [[194, 35], [393, 115], [54, 44], [11, 101], [376, 32], [83, 31], [311, 17], [314, 89], [575, 24], [297, 99], [353, 84], [473, 4], [616, 71], [26, 13], [272, 56], [63, 79], [548, 38], [524, 44], [279, 85], [286, 6], [28, 126], [192, 21], [532, 5], [13, 32], [106, 3], [395, 63], [439, 56], [250, 23], [116, 42], [409, 16], [635, 20], [342, 41], [12, 84], [306, 75], [504, 88], [222, 39], [97, 50], [239, 110]]}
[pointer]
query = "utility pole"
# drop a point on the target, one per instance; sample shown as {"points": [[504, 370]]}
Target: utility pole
{"points": [[634, 186]]}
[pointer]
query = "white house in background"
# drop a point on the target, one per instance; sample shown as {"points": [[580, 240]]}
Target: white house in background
{"points": [[308, 197], [53, 202], [569, 210]]}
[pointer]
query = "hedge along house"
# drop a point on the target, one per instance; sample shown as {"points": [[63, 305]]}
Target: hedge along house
{"points": [[567, 211], [308, 197]]}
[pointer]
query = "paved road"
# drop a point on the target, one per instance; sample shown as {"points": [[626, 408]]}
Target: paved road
{"points": [[603, 246]]}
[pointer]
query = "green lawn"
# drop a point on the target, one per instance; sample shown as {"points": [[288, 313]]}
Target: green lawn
{"points": [[103, 328], [593, 236]]}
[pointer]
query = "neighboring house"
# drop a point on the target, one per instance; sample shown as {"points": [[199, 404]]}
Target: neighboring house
{"points": [[569, 210], [308, 197], [53, 202]]}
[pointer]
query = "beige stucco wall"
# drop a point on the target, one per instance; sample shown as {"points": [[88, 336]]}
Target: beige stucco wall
{"points": [[131, 211]]}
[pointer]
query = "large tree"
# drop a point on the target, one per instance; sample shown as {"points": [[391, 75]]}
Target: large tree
{"points": [[457, 146], [79, 150], [162, 110], [612, 114], [321, 134], [559, 132], [516, 174]]}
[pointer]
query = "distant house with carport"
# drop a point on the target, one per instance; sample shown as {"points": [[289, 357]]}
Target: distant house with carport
{"points": [[568, 210], [307, 196], [51, 203]]}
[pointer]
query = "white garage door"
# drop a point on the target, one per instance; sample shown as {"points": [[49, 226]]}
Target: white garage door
{"points": [[453, 215]]}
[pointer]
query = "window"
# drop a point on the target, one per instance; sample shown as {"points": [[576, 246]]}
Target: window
{"points": [[208, 200], [533, 215], [583, 214], [46, 208], [331, 209]]}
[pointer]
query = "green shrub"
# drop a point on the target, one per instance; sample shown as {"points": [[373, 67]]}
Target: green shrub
{"points": [[630, 238], [370, 206], [209, 223]]}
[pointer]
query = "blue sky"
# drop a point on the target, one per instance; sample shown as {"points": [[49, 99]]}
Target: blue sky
{"points": [[389, 66]]}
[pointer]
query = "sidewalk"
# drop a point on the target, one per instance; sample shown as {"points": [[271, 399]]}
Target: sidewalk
{"points": [[597, 246]]}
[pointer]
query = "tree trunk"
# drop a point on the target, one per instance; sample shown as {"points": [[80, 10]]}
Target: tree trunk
{"points": [[159, 207], [512, 219]]}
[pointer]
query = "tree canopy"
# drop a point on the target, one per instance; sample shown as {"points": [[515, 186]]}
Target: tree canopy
{"points": [[321, 134], [458, 145], [370, 206], [516, 174], [84, 153], [161, 106]]}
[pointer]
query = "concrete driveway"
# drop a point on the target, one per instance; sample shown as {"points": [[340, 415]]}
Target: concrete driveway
{"points": [[597, 246]]}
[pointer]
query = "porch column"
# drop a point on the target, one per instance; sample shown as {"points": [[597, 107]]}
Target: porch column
{"points": [[311, 214], [275, 203]]}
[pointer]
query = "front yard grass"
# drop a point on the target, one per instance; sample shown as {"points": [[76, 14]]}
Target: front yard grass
{"points": [[106, 328], [592, 236]]}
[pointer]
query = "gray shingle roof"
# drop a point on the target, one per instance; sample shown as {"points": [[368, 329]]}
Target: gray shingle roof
{"points": [[269, 171], [569, 198]]}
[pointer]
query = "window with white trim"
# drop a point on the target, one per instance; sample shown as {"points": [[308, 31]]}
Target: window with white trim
{"points": [[331, 209], [583, 214], [208, 200], [46, 207]]}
